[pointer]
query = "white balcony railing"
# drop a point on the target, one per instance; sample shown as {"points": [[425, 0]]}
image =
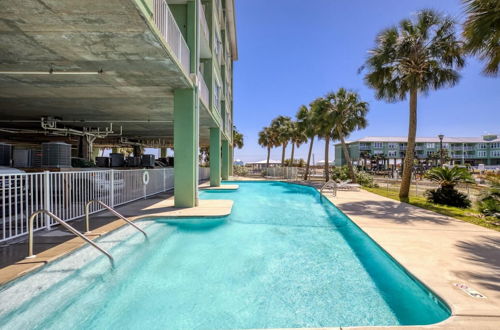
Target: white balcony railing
{"points": [[203, 22], [165, 22], [204, 93]]}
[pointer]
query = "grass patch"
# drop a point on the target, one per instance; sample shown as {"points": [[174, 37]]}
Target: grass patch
{"points": [[468, 215]]}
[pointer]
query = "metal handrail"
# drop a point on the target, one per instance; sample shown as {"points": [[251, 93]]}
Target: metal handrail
{"points": [[109, 208], [65, 225], [325, 185]]}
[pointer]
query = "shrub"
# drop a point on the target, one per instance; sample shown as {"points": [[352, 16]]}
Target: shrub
{"points": [[448, 196], [239, 170], [342, 174], [489, 202]]}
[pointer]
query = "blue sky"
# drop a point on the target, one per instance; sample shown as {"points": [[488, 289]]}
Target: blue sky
{"points": [[291, 52]]}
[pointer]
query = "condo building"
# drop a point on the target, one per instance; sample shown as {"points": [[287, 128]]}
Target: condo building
{"points": [[458, 150], [122, 73]]}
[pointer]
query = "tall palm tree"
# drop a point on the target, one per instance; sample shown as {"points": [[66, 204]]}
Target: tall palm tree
{"points": [[414, 57], [266, 139], [324, 117], [350, 115], [282, 128], [238, 140], [482, 32], [297, 137], [307, 124]]}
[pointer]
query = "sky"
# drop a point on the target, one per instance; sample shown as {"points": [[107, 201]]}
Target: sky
{"points": [[291, 52]]}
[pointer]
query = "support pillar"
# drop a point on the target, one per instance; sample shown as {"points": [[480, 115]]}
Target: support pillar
{"points": [[186, 148], [163, 152], [231, 160], [215, 157], [225, 160]]}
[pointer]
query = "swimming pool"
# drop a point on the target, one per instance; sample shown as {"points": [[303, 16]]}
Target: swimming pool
{"points": [[283, 258]]}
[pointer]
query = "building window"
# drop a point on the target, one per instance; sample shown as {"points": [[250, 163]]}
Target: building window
{"points": [[392, 153], [495, 145], [392, 145], [430, 145], [481, 153], [430, 153], [378, 152], [495, 153], [378, 145], [482, 146], [446, 145], [217, 91]]}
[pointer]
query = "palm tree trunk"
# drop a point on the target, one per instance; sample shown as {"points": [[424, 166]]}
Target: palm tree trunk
{"points": [[347, 156], [268, 156], [404, 190], [283, 155], [309, 158], [327, 163], [293, 152]]}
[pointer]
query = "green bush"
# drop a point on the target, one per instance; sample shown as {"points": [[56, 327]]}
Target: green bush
{"points": [[239, 170], [448, 196], [489, 202], [342, 174]]}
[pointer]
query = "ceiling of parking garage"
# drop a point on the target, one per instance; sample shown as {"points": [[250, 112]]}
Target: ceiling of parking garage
{"points": [[134, 91]]}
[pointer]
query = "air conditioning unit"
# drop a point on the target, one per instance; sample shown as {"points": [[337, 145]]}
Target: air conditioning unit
{"points": [[133, 161], [148, 160], [117, 160], [102, 161], [21, 158], [56, 154], [5, 154]]}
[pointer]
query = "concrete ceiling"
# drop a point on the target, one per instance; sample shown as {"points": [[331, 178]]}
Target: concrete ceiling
{"points": [[86, 36]]}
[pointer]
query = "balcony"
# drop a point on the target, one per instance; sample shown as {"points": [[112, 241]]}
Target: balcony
{"points": [[205, 34], [364, 147], [204, 93], [165, 22]]}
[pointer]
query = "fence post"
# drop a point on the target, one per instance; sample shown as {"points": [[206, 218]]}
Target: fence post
{"points": [[164, 179], [46, 197], [112, 188]]}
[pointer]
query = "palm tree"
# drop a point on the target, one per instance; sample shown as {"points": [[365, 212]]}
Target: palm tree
{"points": [[266, 139], [415, 57], [448, 178], [324, 116], [306, 122], [237, 138], [282, 128], [350, 115], [482, 32], [297, 137]]}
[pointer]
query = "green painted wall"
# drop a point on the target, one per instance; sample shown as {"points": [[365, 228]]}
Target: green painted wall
{"points": [[215, 157], [225, 159]]}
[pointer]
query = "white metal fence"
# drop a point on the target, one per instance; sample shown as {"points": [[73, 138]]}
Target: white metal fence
{"points": [[65, 194], [288, 173], [165, 22]]}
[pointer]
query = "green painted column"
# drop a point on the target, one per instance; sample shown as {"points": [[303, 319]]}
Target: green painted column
{"points": [[163, 152], [231, 160], [225, 160], [215, 157], [186, 148]]}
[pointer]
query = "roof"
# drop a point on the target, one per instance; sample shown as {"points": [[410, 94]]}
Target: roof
{"points": [[402, 139]]}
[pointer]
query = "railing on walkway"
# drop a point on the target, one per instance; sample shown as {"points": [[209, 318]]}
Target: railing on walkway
{"points": [[204, 93], [286, 173], [203, 22], [165, 22], [65, 194]]}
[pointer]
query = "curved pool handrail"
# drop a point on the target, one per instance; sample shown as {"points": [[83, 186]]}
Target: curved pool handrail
{"points": [[65, 225], [110, 209]]}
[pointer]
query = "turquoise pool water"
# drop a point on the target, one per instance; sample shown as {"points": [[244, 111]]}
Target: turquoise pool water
{"points": [[282, 259]]}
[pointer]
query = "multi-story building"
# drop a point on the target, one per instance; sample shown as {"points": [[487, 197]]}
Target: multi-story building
{"points": [[459, 150], [154, 72]]}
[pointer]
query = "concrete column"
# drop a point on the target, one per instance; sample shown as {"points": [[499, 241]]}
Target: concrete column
{"points": [[215, 157], [231, 160], [163, 152], [225, 160], [186, 147]]}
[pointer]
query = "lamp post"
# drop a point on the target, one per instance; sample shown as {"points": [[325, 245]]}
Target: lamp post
{"points": [[441, 136]]}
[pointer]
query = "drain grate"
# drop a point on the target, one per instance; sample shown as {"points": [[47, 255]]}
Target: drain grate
{"points": [[470, 291]]}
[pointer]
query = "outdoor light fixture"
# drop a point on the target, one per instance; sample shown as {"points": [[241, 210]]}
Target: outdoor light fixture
{"points": [[441, 136]]}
